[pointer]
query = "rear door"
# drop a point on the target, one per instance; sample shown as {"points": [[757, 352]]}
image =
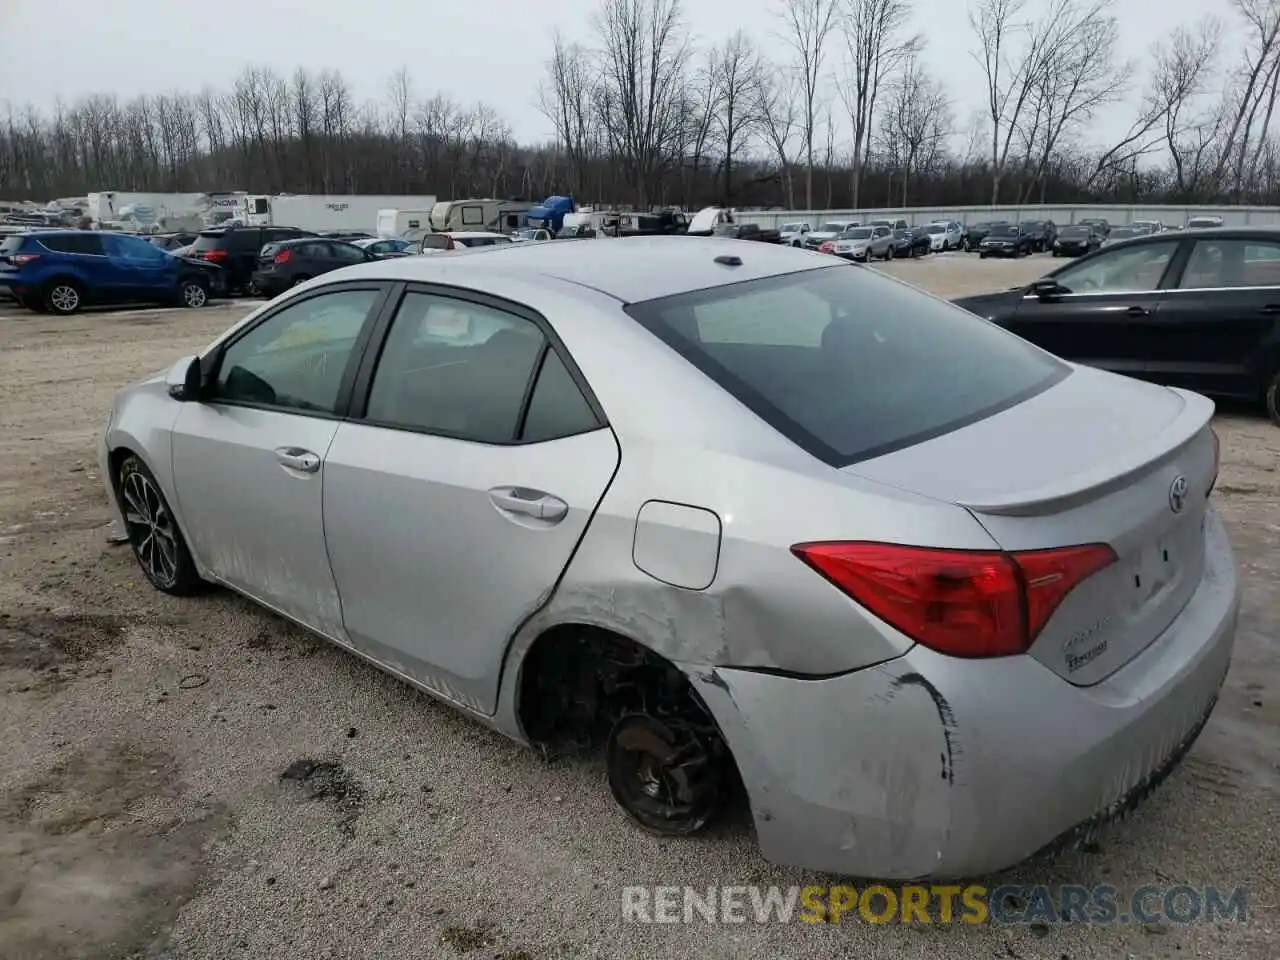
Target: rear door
{"points": [[1093, 319], [456, 494], [1218, 317]]}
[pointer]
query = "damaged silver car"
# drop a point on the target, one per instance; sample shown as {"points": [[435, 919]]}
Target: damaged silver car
{"points": [[734, 513]]}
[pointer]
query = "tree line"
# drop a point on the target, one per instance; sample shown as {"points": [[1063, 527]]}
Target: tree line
{"points": [[837, 107]]}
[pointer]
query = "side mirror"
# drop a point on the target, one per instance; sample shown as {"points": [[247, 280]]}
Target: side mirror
{"points": [[184, 380], [1046, 289]]}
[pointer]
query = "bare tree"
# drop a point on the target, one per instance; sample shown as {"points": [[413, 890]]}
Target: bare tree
{"points": [[873, 48], [566, 97], [808, 23], [642, 93], [735, 72], [916, 121], [776, 105]]}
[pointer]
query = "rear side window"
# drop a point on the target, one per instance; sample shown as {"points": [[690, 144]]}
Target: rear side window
{"points": [[81, 243], [849, 364], [435, 241], [208, 241], [12, 244]]}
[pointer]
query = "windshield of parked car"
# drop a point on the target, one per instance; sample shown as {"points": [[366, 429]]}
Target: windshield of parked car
{"points": [[1119, 233], [1074, 233], [1032, 224], [1004, 230], [935, 228], [791, 228], [834, 227], [1203, 222], [981, 226], [857, 233], [847, 363]]}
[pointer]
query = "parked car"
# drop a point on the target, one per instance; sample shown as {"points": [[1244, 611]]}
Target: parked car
{"points": [[434, 243], [1195, 309], [287, 263], [1147, 226], [1005, 240], [1076, 240], [953, 234], [1124, 233], [746, 231], [1042, 233], [1098, 224], [576, 231], [975, 234], [937, 234], [385, 246], [906, 243], [793, 234], [236, 249], [827, 231], [517, 496], [346, 236], [1202, 222], [862, 243], [525, 234], [61, 271], [172, 241]]}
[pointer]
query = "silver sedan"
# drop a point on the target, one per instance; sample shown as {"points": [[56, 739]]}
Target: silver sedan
{"points": [[735, 512]]}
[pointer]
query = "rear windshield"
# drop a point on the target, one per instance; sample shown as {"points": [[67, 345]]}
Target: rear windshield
{"points": [[849, 364], [208, 241], [270, 250]]}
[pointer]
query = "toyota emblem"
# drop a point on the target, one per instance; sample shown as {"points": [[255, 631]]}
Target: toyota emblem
{"points": [[1178, 494]]}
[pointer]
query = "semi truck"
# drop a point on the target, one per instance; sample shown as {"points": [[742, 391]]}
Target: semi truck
{"points": [[355, 213]]}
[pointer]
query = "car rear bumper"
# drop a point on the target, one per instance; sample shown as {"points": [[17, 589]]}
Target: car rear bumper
{"points": [[928, 766]]}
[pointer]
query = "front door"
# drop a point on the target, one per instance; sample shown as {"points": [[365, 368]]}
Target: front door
{"points": [[249, 459], [454, 504], [1216, 318], [1092, 319]]}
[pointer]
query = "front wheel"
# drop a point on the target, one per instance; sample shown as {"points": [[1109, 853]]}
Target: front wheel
{"points": [[1271, 398], [888, 254], [153, 531]]}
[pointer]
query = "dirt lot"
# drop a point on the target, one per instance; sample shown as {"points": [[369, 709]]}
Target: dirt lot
{"points": [[143, 812]]}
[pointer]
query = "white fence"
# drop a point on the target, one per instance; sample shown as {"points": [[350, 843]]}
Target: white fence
{"points": [[1059, 214]]}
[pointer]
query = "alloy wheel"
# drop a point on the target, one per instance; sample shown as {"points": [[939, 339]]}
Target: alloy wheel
{"points": [[151, 529], [64, 298], [194, 295]]}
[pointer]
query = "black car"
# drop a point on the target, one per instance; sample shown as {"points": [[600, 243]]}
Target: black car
{"points": [[1041, 232], [975, 234], [287, 263], [235, 249], [1005, 240], [1198, 309], [1099, 224], [906, 243], [1076, 240]]}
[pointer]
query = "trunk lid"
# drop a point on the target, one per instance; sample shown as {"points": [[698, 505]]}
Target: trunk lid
{"points": [[1096, 459]]}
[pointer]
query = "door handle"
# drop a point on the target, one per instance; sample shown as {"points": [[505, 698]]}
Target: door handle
{"points": [[295, 458], [530, 503], [1137, 311], [1271, 308]]}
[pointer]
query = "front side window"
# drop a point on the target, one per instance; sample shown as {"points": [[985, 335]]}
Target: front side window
{"points": [[849, 364], [1124, 270], [1232, 263], [296, 358], [463, 369]]}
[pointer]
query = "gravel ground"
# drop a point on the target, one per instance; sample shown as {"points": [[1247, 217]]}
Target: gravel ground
{"points": [[197, 779]]}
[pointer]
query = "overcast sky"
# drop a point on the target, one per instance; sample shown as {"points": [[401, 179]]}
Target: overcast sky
{"points": [[492, 50]]}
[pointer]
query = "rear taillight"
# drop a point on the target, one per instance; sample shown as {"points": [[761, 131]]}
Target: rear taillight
{"points": [[983, 603], [1217, 461], [22, 259], [214, 255], [284, 256]]}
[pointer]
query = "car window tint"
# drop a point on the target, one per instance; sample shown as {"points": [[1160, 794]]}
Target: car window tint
{"points": [[847, 363], [557, 407], [347, 253], [1127, 269], [133, 249], [83, 243], [1232, 263], [296, 357], [454, 367], [245, 240]]}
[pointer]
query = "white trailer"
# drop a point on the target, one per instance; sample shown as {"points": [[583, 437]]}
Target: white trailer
{"points": [[322, 213], [410, 224]]}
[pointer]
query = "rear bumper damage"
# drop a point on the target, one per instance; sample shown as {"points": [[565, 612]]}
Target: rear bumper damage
{"points": [[928, 766]]}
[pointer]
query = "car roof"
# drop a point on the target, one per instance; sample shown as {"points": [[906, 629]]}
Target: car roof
{"points": [[628, 269]]}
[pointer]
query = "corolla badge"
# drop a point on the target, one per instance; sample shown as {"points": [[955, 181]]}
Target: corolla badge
{"points": [[1178, 493]]}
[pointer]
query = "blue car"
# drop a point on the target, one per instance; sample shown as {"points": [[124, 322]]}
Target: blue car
{"points": [[61, 271]]}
